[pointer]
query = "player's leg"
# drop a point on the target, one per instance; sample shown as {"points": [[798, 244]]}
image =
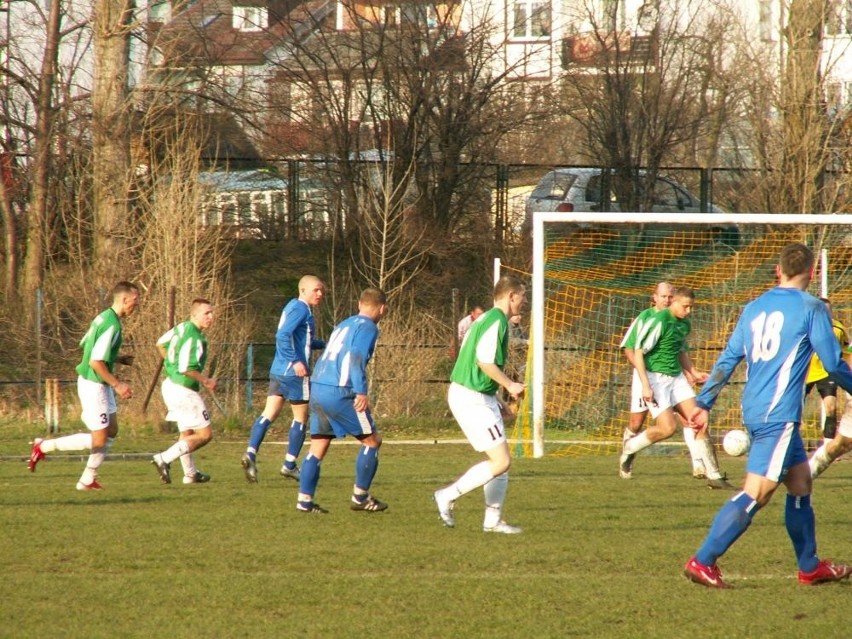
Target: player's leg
{"points": [[299, 402], [322, 432], [828, 392], [823, 457], [99, 415], [703, 450], [310, 475], [274, 404], [736, 515], [366, 465], [479, 417], [495, 491]]}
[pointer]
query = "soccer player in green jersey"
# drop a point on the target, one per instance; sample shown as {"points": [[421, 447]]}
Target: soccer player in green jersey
{"points": [[474, 401], [638, 330], [657, 351], [97, 387], [184, 349]]}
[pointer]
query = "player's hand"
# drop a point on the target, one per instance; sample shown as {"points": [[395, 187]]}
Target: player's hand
{"points": [[698, 418], [125, 360], [516, 390], [210, 383], [300, 369], [362, 403], [700, 377], [123, 390]]}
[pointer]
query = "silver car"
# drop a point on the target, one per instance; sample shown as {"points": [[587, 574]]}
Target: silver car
{"points": [[570, 190]]}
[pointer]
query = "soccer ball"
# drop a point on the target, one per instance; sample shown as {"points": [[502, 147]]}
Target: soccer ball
{"points": [[736, 443]]}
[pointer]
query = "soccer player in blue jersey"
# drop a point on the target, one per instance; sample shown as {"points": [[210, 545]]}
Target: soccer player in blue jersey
{"points": [[340, 404], [776, 335], [289, 378]]}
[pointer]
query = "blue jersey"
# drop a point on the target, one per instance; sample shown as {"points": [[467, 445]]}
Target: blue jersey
{"points": [[349, 349], [294, 339], [776, 335]]}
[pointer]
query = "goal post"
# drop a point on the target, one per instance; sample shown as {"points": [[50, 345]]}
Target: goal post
{"points": [[593, 272]]}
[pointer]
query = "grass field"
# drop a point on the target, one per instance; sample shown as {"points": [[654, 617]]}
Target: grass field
{"points": [[599, 556]]}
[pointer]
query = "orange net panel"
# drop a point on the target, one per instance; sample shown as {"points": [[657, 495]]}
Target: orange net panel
{"points": [[599, 278]]}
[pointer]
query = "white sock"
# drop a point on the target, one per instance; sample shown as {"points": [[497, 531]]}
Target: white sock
{"points": [[174, 451], [495, 495], [188, 465], [637, 443], [704, 447], [694, 453], [476, 476], [819, 461], [627, 434], [77, 441], [90, 473]]}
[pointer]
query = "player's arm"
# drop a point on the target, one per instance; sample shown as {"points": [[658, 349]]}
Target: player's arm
{"points": [[360, 351], [189, 364], [729, 359], [693, 375], [293, 320], [486, 353], [164, 340], [98, 363]]}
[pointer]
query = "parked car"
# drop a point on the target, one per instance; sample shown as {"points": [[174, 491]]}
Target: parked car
{"points": [[580, 190]]}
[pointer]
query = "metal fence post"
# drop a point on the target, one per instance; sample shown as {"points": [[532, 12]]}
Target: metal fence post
{"points": [[249, 374]]}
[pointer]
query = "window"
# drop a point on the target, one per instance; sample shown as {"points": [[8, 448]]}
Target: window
{"points": [[160, 11], [554, 186], [250, 18], [531, 19], [419, 14]]}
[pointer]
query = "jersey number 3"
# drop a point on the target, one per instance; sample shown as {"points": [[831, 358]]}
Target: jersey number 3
{"points": [[766, 336]]}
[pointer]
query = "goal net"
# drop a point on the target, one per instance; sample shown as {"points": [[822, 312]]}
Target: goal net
{"points": [[592, 275]]}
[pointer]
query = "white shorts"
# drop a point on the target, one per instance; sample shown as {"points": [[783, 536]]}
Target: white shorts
{"points": [[185, 406], [478, 415], [98, 402], [637, 404], [668, 391]]}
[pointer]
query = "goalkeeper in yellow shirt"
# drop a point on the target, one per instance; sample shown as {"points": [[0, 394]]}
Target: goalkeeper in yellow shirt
{"points": [[826, 387]]}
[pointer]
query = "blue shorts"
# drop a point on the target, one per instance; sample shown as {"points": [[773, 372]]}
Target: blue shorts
{"points": [[775, 448], [292, 388], [333, 413]]}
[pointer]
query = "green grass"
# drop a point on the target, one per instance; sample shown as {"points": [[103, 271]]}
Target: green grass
{"points": [[599, 556]]}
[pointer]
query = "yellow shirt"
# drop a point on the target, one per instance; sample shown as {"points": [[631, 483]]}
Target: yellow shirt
{"points": [[816, 371]]}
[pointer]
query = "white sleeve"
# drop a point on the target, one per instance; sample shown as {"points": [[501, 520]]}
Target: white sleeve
{"points": [[486, 349]]}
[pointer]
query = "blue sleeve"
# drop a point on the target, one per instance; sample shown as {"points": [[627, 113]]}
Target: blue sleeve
{"points": [[294, 318], [724, 367], [360, 352]]}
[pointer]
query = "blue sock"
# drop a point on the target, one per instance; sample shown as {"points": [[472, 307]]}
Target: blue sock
{"points": [[366, 465], [258, 432], [731, 521], [295, 440], [309, 478], [801, 526]]}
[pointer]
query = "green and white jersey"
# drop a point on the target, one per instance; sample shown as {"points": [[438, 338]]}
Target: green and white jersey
{"points": [[101, 342], [486, 341], [186, 350], [661, 337]]}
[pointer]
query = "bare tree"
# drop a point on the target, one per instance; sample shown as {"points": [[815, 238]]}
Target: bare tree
{"points": [[638, 87], [111, 24]]}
